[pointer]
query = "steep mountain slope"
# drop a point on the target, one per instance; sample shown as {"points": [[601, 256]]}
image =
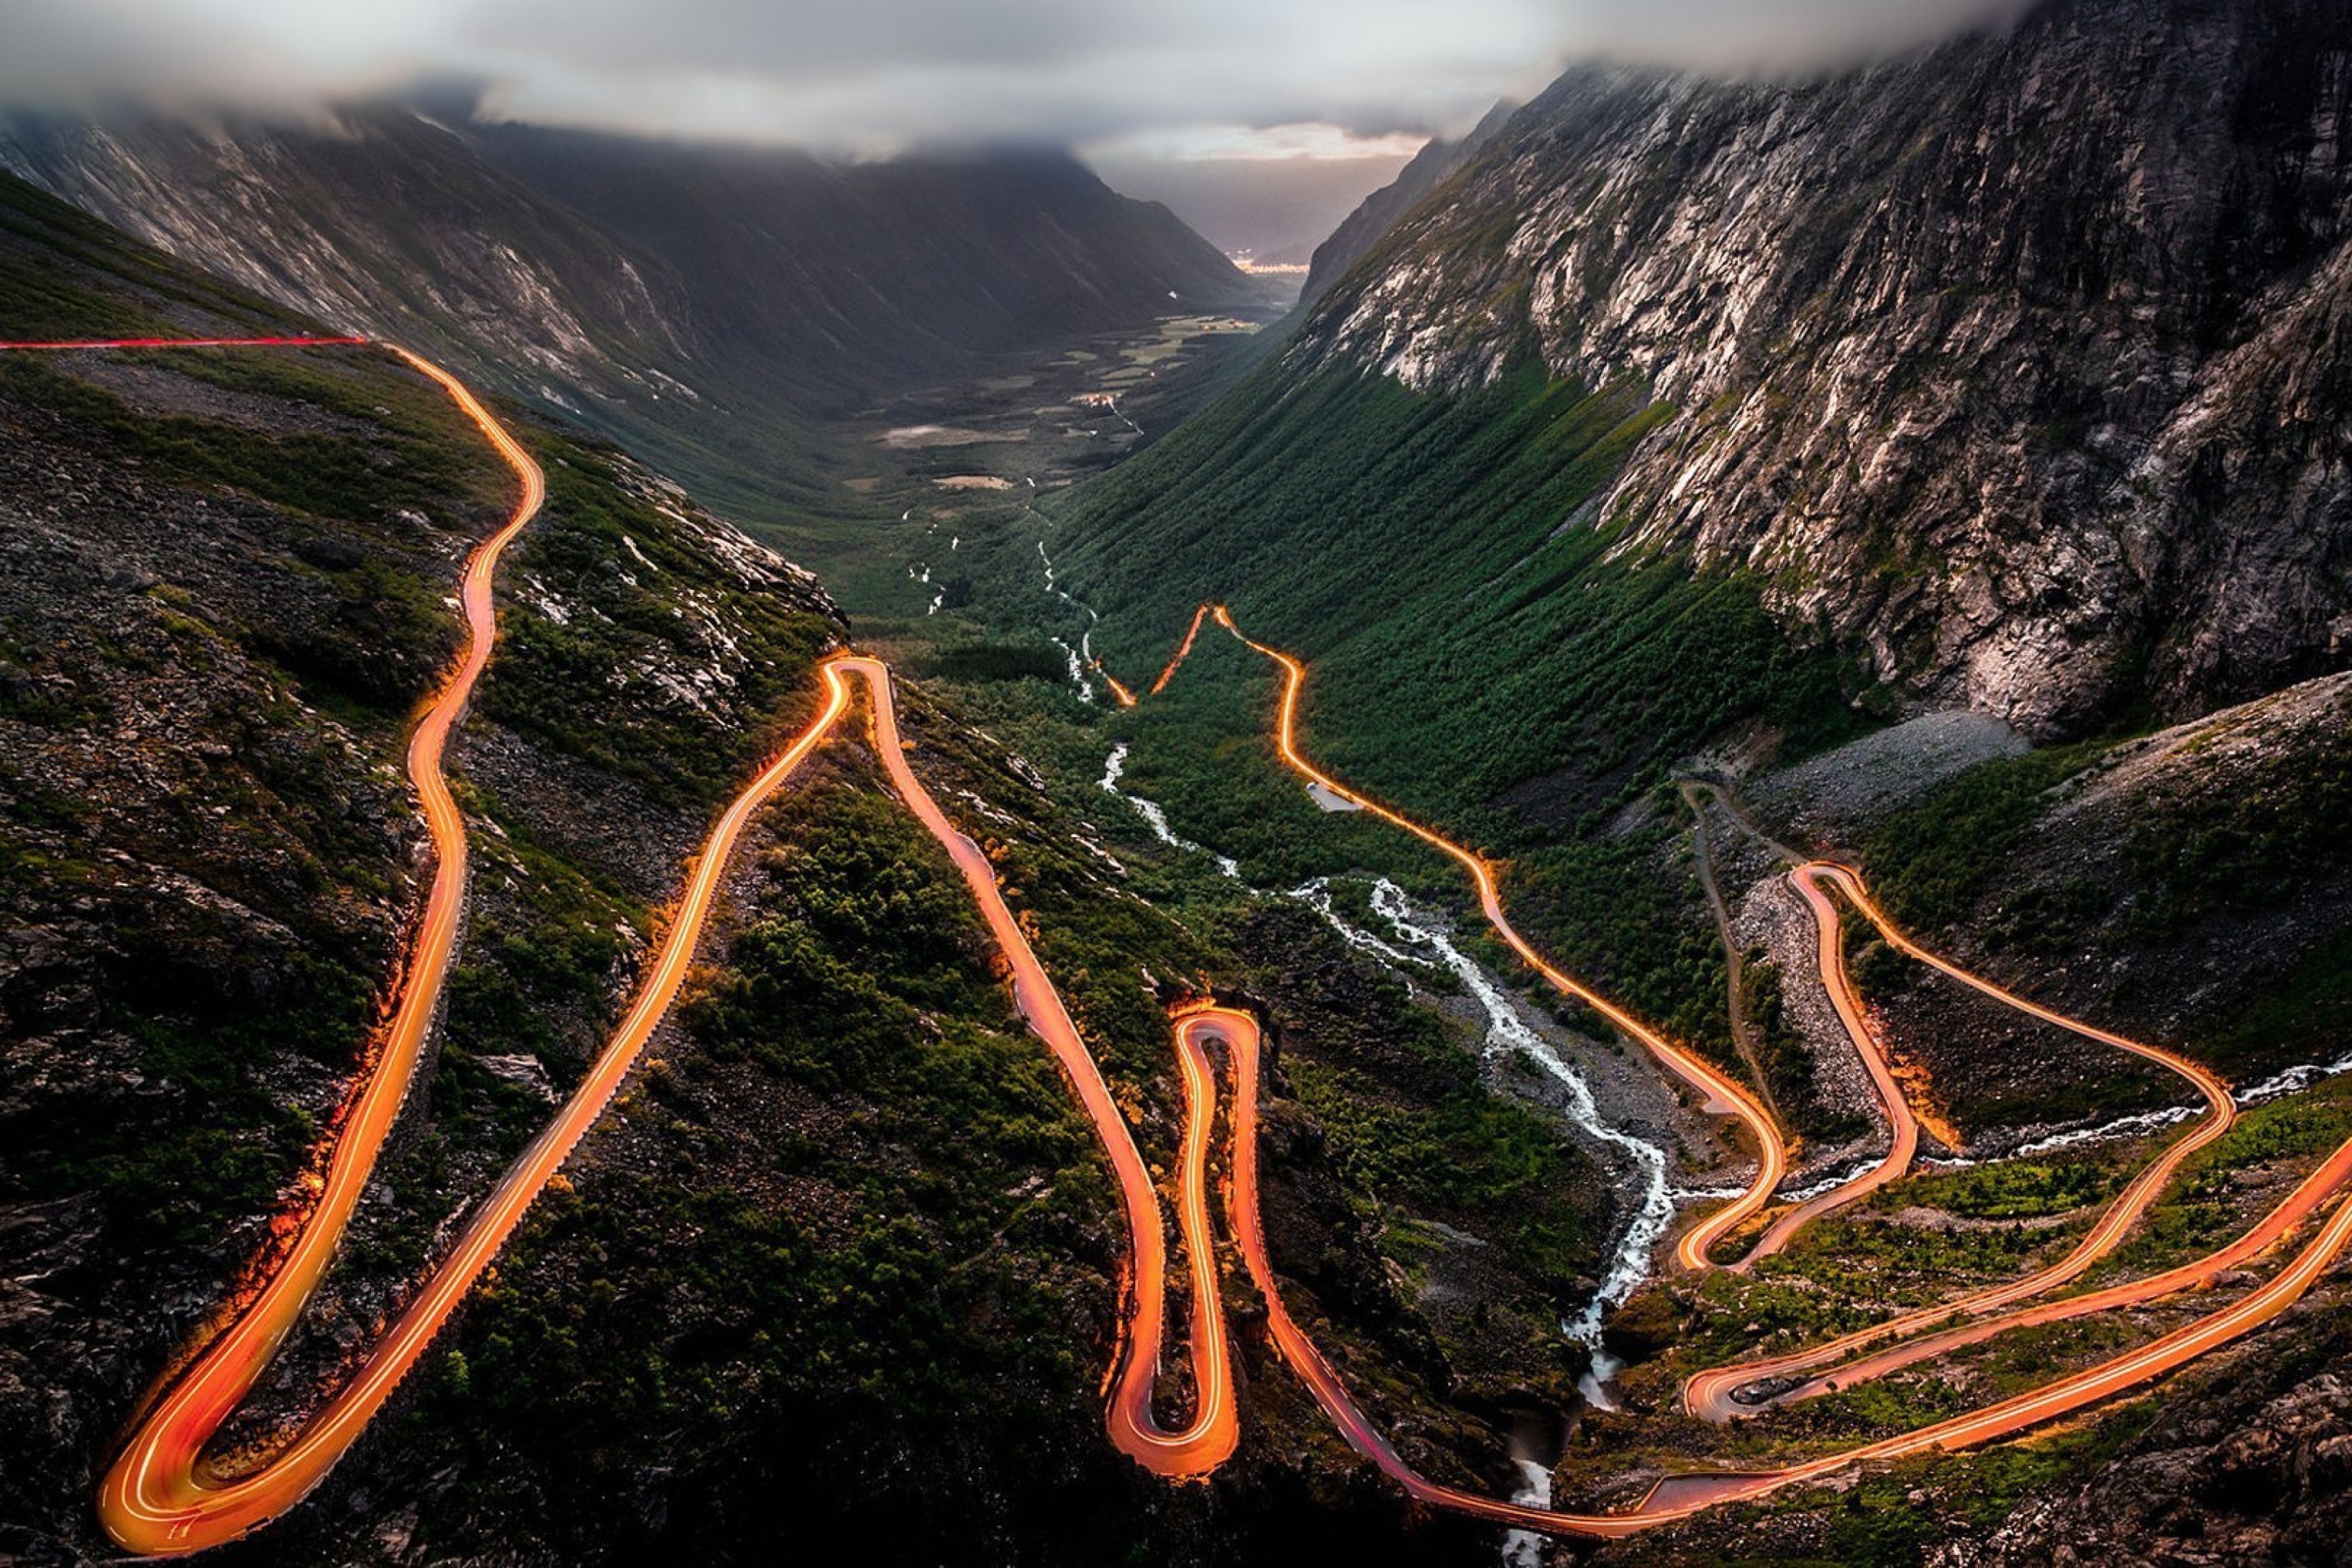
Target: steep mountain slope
{"points": [[386, 222], [2021, 363], [842, 1255], [706, 305], [2018, 369], [227, 592], [865, 277]]}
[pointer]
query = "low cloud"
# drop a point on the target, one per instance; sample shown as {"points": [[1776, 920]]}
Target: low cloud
{"points": [[887, 73]]}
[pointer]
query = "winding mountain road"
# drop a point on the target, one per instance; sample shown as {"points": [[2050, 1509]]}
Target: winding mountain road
{"points": [[163, 1495], [1209, 1440], [158, 1497], [1903, 1144], [1684, 1496], [1719, 1093], [1717, 1394]]}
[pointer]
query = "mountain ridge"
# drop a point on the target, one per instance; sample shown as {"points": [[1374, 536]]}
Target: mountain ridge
{"points": [[1961, 390], [711, 307]]}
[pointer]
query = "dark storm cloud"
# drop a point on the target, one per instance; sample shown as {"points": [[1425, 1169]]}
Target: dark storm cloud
{"points": [[879, 72]]}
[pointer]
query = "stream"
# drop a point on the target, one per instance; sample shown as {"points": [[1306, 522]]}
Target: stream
{"points": [[1508, 1031]]}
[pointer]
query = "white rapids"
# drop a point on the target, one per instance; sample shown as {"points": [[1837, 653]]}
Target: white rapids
{"points": [[1155, 818], [1508, 1031]]}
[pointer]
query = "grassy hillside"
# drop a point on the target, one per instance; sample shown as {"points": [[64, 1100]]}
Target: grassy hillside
{"points": [[1478, 651]]}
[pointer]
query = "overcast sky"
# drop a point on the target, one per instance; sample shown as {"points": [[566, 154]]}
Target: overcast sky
{"points": [[1171, 81]]}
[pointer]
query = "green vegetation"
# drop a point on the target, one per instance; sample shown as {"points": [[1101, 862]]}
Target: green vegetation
{"points": [[1475, 645], [554, 956], [2295, 1128], [635, 595], [1411, 1152], [836, 1023], [1850, 1270], [2247, 848], [1892, 1518], [409, 453], [2009, 1190], [2305, 1016], [860, 1203], [1205, 750], [1931, 861], [1624, 914], [1343, 518], [209, 1045], [1787, 1058], [994, 660], [1408, 1120], [387, 629], [2243, 844], [2210, 1200]]}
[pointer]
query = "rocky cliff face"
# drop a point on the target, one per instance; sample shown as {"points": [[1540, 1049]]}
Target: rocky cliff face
{"points": [[878, 276], [605, 268], [2021, 363], [385, 223], [2249, 1467]]}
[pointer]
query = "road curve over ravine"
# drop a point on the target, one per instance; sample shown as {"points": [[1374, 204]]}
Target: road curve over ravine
{"points": [[1216, 1428], [1718, 1092], [1902, 1142]]}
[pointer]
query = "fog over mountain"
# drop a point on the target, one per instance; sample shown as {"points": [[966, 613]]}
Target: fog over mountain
{"points": [[897, 73]]}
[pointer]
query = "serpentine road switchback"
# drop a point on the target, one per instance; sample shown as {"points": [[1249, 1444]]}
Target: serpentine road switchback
{"points": [[163, 1495]]}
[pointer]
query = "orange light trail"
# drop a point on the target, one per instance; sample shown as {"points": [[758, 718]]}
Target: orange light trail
{"points": [[1903, 1144], [77, 345], [1215, 1428], [1711, 1393], [2197, 1274], [164, 1497], [1720, 1094], [1126, 697], [153, 1499], [161, 1496], [1183, 650]]}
